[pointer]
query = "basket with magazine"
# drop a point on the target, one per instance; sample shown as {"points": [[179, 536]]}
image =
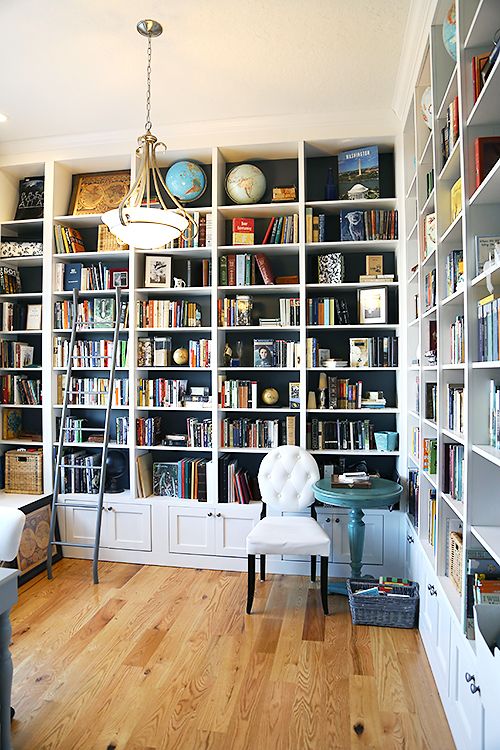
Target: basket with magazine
{"points": [[388, 602]]}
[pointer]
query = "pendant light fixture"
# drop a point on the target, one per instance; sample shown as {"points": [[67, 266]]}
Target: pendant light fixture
{"points": [[135, 222]]}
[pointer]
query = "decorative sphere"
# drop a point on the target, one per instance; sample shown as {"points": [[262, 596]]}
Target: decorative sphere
{"points": [[186, 180], [245, 184], [270, 396], [450, 32], [181, 356], [426, 105]]}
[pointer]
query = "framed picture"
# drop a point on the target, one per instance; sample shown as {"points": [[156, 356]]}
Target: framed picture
{"points": [[158, 271], [263, 352], [98, 192], [119, 277], [487, 253], [372, 305], [32, 556], [31, 192]]}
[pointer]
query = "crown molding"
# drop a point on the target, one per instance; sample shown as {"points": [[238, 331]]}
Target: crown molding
{"points": [[235, 131], [418, 25]]}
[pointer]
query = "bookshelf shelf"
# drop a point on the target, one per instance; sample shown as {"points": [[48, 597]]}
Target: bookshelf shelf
{"points": [[345, 285], [261, 289], [485, 109], [413, 276], [414, 460], [429, 368], [454, 230], [411, 186], [121, 255], [186, 291], [259, 410], [174, 449], [429, 203], [357, 326], [257, 369], [413, 414], [489, 190], [429, 312], [450, 93], [413, 232], [21, 406], [457, 437], [429, 423], [455, 366], [91, 293], [430, 256], [334, 207], [354, 452], [191, 253], [482, 278], [180, 329], [352, 369], [488, 452], [386, 410], [489, 537], [20, 369], [23, 443], [258, 328], [431, 478], [451, 168], [414, 322], [16, 223], [426, 151], [456, 505], [455, 298], [21, 296], [259, 210], [26, 261], [204, 410], [484, 19], [493, 365], [363, 246], [270, 250]]}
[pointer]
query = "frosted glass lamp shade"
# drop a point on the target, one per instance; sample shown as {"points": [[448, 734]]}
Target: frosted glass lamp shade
{"points": [[147, 227]]}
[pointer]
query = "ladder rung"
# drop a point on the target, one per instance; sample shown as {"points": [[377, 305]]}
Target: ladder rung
{"points": [[77, 466], [84, 429], [76, 505], [73, 544], [100, 393]]}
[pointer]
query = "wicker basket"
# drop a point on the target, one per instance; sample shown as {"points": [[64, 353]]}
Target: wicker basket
{"points": [[24, 471], [386, 611], [107, 242], [455, 548]]}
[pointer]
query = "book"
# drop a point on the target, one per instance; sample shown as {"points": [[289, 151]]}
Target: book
{"points": [[34, 317], [349, 481], [456, 198], [72, 276], [358, 352], [352, 227], [104, 312], [12, 422], [430, 235], [294, 396], [486, 155], [359, 173], [263, 352], [265, 268], [374, 265], [243, 231]]}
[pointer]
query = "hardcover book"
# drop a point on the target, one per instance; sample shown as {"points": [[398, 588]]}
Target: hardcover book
{"points": [[104, 312], [72, 276], [358, 352], [243, 231], [487, 154], [263, 352], [294, 395], [352, 226], [359, 173], [165, 479], [331, 268]]}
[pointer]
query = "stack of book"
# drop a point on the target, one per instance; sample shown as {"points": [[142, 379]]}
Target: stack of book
{"points": [[429, 455], [282, 230], [377, 351], [91, 313], [352, 479], [237, 394], [122, 427], [323, 311], [20, 390], [342, 394], [276, 353], [456, 405], [340, 434], [430, 289], [18, 316], [186, 479], [453, 470], [494, 415], [236, 485], [487, 313], [454, 271], [237, 270], [92, 353], [164, 313], [357, 226], [457, 341], [80, 473], [257, 433], [148, 431], [450, 132], [69, 276], [431, 518], [16, 354], [92, 391]]}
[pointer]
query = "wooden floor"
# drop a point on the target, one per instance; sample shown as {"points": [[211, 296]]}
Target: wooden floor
{"points": [[157, 658]]}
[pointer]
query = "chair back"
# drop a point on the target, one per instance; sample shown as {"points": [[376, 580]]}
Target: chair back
{"points": [[12, 523], [286, 477]]}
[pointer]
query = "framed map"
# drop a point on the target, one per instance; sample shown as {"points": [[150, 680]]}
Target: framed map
{"points": [[32, 556], [98, 192]]}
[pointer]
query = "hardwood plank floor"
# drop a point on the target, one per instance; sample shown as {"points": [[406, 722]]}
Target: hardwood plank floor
{"points": [[165, 658]]}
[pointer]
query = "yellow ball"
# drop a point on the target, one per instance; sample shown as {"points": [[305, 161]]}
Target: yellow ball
{"points": [[181, 356], [270, 396]]}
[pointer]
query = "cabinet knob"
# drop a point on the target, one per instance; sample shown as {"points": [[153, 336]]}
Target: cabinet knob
{"points": [[110, 507], [469, 677], [209, 514], [410, 539], [337, 520], [432, 590], [475, 688], [328, 520], [218, 515]]}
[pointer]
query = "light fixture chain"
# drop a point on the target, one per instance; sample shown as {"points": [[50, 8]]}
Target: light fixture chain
{"points": [[148, 124]]}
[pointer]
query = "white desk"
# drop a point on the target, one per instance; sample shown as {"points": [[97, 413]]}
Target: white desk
{"points": [[8, 597]]}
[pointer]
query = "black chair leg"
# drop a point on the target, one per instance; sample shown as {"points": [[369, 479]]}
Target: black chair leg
{"points": [[313, 568], [251, 582], [262, 567], [324, 583]]}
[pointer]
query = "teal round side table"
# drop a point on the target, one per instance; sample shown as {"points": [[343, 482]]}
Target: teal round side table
{"points": [[382, 494]]}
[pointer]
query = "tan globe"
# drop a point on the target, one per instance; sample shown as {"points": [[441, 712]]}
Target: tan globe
{"points": [[270, 396], [245, 183], [181, 356]]}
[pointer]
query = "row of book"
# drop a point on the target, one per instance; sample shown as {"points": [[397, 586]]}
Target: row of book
{"points": [[238, 312], [429, 455], [16, 354], [241, 270], [10, 280], [453, 459], [415, 443], [457, 340], [358, 226], [163, 313], [432, 518], [375, 351], [91, 353], [19, 316], [276, 353], [327, 311], [238, 394], [430, 289], [257, 433], [236, 485], [488, 328], [281, 230], [431, 391], [315, 226], [161, 392], [91, 313], [193, 238], [20, 390], [157, 352], [97, 277], [187, 479], [150, 431], [80, 472], [340, 434], [456, 407], [454, 269], [450, 132], [93, 391], [341, 394], [68, 240], [494, 415]]}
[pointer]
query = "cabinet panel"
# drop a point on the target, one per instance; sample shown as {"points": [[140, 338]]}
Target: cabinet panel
{"points": [[127, 527], [191, 531], [80, 525], [232, 527], [467, 715], [373, 552]]}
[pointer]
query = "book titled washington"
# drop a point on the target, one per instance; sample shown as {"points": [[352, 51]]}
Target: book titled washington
{"points": [[359, 173]]}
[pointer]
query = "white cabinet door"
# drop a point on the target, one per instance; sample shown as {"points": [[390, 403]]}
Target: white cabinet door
{"points": [[435, 627], [466, 715], [191, 530], [373, 552], [412, 556], [80, 525], [127, 526], [232, 526], [326, 523]]}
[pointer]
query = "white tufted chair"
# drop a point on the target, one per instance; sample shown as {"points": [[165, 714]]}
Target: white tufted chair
{"points": [[286, 477], [11, 528]]}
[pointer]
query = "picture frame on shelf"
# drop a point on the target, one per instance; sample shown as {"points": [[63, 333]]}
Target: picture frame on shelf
{"points": [[372, 305], [158, 271], [263, 352], [31, 198], [98, 192], [32, 556], [487, 252], [119, 278]]}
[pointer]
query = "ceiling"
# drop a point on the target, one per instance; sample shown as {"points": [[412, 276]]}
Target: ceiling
{"points": [[70, 67]]}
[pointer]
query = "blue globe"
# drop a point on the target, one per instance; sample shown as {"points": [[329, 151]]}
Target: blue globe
{"points": [[186, 180], [450, 32]]}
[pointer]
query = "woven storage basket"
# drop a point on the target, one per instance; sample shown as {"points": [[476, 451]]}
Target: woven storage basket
{"points": [[107, 242], [386, 611], [455, 548], [24, 471]]}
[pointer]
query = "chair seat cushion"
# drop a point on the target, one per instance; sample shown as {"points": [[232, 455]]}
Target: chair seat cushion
{"points": [[285, 535]]}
